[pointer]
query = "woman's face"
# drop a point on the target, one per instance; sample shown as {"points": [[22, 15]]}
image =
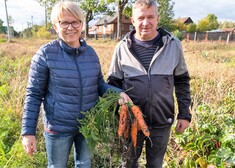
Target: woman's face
{"points": [[69, 29]]}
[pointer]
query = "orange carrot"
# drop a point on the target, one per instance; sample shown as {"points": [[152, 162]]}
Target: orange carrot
{"points": [[140, 120], [138, 126], [127, 130], [134, 131], [122, 120]]}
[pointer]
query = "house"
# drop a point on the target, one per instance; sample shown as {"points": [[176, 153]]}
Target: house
{"points": [[232, 30], [185, 20], [107, 26]]}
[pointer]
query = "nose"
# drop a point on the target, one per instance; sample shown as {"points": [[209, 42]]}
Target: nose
{"points": [[145, 21], [70, 26]]}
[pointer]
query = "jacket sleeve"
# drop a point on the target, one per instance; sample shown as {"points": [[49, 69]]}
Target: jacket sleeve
{"points": [[115, 75], [35, 92], [182, 90], [182, 86], [103, 87]]}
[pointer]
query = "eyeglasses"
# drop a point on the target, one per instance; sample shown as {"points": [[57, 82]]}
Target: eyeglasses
{"points": [[65, 25]]}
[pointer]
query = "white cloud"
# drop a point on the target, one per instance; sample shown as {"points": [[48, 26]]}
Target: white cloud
{"points": [[22, 12], [223, 9]]}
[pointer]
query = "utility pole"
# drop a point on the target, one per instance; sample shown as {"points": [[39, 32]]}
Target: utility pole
{"points": [[8, 27], [45, 5], [32, 20]]}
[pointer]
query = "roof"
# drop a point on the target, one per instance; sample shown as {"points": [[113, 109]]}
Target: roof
{"points": [[185, 20], [229, 29], [215, 31], [106, 19], [223, 30]]}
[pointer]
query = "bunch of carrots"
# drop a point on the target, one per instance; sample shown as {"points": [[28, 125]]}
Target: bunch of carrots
{"points": [[99, 127], [131, 120]]}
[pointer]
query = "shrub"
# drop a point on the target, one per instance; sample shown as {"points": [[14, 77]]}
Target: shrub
{"points": [[43, 33], [178, 34]]}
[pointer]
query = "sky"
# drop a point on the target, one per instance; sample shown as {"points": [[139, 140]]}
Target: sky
{"points": [[30, 11]]}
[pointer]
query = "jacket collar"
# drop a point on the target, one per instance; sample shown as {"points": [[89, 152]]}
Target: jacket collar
{"points": [[73, 51], [129, 35]]}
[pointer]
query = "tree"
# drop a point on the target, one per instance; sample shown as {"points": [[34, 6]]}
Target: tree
{"points": [[89, 7], [192, 27], [178, 25], [1, 23], [48, 4], [92, 8], [101, 6], [2, 29], [121, 10], [226, 24], [121, 6], [208, 23], [213, 22], [166, 13]]}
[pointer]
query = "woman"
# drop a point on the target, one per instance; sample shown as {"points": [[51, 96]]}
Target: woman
{"points": [[65, 75]]}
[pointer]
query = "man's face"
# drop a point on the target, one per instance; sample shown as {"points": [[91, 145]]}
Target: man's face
{"points": [[145, 21]]}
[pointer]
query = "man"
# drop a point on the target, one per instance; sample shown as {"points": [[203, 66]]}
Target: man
{"points": [[149, 64]]}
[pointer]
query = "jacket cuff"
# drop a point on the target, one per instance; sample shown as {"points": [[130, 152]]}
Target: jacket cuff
{"points": [[29, 131], [187, 116]]}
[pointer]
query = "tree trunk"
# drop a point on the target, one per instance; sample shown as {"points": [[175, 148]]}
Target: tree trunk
{"points": [[121, 5], [119, 22], [89, 17]]}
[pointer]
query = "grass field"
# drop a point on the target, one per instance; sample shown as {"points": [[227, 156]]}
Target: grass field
{"points": [[212, 69]]}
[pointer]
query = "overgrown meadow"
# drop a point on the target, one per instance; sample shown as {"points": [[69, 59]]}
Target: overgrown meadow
{"points": [[209, 142]]}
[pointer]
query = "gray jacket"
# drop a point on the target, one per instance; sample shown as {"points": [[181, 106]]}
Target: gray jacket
{"points": [[153, 90]]}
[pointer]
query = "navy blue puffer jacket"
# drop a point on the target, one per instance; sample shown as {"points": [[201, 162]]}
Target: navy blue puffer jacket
{"points": [[67, 81]]}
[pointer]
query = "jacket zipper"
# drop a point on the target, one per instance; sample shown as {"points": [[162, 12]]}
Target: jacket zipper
{"points": [[150, 100], [150, 87], [79, 77]]}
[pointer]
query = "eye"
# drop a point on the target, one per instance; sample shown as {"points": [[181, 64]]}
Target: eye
{"points": [[64, 24], [151, 17], [76, 23], [141, 18]]}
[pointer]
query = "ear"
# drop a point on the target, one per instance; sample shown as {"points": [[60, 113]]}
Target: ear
{"points": [[158, 17], [82, 25], [55, 28], [132, 20]]}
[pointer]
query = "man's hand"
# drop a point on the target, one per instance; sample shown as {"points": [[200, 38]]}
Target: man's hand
{"points": [[29, 144], [181, 125], [124, 99]]}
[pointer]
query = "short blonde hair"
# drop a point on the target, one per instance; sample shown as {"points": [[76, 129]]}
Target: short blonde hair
{"points": [[68, 6]]}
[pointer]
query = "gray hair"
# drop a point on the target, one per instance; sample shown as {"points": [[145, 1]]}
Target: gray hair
{"points": [[143, 3], [68, 6]]}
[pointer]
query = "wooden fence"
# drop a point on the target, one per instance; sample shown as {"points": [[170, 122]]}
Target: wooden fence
{"points": [[210, 36]]}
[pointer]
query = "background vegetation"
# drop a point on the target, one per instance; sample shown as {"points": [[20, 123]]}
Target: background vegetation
{"points": [[209, 142], [97, 8]]}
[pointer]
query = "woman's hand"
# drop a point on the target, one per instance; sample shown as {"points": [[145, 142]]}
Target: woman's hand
{"points": [[29, 144]]}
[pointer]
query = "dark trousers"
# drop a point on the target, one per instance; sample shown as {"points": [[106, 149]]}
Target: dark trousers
{"points": [[155, 147]]}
